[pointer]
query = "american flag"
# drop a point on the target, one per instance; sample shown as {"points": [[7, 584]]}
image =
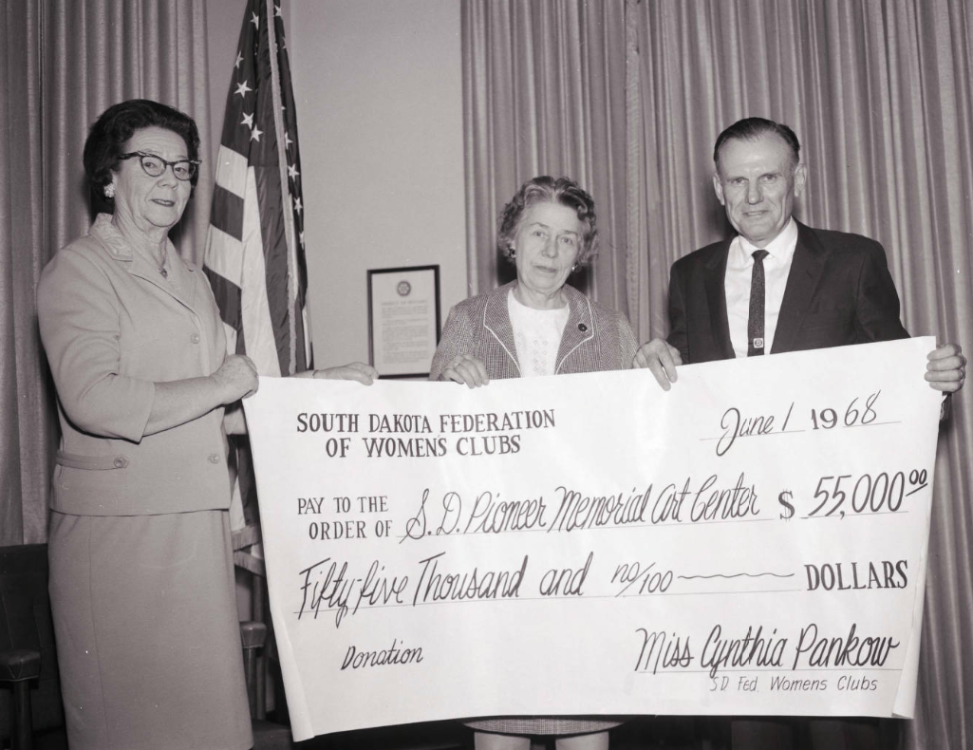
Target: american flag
{"points": [[255, 243]]}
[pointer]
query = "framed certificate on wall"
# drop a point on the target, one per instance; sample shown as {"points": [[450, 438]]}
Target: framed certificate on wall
{"points": [[403, 320]]}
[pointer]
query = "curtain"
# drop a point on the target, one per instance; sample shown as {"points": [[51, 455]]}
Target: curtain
{"points": [[544, 93], [65, 61], [880, 95], [878, 91], [28, 434]]}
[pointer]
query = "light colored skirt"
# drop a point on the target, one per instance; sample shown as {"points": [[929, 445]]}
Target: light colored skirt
{"points": [[148, 638]]}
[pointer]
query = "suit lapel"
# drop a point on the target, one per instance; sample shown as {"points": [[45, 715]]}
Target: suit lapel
{"points": [[802, 281], [180, 284], [714, 276], [579, 328], [496, 319]]}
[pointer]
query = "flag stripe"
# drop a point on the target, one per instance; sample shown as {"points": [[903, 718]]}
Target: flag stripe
{"points": [[276, 266], [228, 298], [234, 340], [225, 256], [231, 173], [302, 354], [258, 320], [227, 213]]}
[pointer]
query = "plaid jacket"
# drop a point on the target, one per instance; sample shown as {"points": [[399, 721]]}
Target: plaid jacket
{"points": [[594, 338]]}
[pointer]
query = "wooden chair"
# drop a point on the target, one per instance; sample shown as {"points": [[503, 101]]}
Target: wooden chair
{"points": [[267, 735], [17, 668], [31, 714]]}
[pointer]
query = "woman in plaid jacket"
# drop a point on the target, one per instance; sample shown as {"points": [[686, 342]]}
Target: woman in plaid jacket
{"points": [[537, 325]]}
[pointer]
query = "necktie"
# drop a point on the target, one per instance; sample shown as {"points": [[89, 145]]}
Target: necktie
{"points": [[755, 324]]}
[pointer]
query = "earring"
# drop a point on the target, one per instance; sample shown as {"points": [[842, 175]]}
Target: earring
{"points": [[110, 190], [574, 268], [513, 252]]}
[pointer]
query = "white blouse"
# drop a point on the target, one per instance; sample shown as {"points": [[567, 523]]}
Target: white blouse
{"points": [[537, 336], [736, 284]]}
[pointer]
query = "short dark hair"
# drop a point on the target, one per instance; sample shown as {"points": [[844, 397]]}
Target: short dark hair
{"points": [[750, 129], [117, 124], [544, 189]]}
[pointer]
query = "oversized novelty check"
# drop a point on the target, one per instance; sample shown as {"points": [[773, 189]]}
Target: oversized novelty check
{"points": [[752, 541]]}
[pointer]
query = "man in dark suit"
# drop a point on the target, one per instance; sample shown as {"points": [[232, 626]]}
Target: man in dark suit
{"points": [[780, 286], [816, 288]]}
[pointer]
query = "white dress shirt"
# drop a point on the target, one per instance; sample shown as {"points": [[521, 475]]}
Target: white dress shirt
{"points": [[537, 336], [739, 273]]}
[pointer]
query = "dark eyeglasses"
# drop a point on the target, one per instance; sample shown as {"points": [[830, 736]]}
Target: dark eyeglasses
{"points": [[154, 165]]}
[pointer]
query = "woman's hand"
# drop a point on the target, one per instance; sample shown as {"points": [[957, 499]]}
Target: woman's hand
{"points": [[364, 374], [236, 378], [465, 368]]}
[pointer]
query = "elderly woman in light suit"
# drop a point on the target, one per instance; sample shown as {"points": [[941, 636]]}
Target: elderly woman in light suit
{"points": [[141, 576], [537, 325]]}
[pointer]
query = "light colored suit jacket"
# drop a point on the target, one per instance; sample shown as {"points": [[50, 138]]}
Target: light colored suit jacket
{"points": [[594, 337], [112, 327]]}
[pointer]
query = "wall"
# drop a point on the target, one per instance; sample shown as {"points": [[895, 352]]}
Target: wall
{"points": [[379, 91], [223, 20], [380, 121]]}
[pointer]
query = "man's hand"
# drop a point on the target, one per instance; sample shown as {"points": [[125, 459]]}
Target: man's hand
{"points": [[364, 374], [946, 370], [467, 369], [661, 358]]}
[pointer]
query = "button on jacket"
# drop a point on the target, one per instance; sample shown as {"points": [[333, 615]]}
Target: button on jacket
{"points": [[112, 326]]}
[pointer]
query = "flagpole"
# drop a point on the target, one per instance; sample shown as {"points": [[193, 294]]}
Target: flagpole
{"points": [[292, 292]]}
